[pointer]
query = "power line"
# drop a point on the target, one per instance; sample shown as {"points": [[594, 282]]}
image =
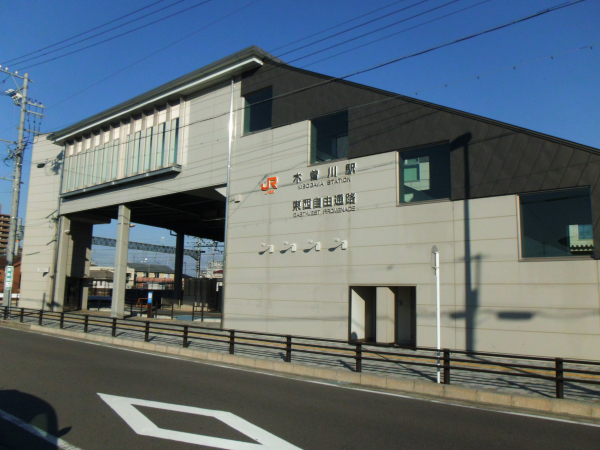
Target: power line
{"points": [[375, 31], [156, 52], [85, 32], [430, 49], [398, 32], [117, 36], [512, 66], [353, 28], [335, 26], [222, 19]]}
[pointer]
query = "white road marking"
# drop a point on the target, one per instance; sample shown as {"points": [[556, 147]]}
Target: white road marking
{"points": [[324, 383], [124, 407], [37, 432]]}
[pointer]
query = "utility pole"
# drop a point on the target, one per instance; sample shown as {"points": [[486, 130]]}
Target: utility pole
{"points": [[19, 97]]}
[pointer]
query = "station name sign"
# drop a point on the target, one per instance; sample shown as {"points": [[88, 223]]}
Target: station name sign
{"points": [[331, 204]]}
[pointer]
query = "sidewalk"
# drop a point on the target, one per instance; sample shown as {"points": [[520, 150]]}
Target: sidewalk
{"points": [[345, 361]]}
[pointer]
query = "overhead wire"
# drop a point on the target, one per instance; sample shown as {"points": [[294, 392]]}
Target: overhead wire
{"points": [[85, 32], [116, 36], [353, 28], [375, 31], [77, 93], [404, 57], [336, 26], [156, 52], [258, 147], [397, 33]]}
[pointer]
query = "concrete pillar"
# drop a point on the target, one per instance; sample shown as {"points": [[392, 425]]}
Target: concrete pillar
{"points": [[120, 277], [386, 299], [178, 264], [64, 241], [80, 257]]}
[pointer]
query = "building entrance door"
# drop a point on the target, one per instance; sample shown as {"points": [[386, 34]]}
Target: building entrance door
{"points": [[73, 288], [406, 316]]}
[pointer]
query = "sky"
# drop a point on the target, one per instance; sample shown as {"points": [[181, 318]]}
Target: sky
{"points": [[539, 74]]}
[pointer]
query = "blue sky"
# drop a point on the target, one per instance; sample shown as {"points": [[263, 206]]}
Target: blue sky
{"points": [[519, 83]]}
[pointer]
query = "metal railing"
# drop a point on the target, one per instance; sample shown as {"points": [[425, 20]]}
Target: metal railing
{"points": [[447, 361]]}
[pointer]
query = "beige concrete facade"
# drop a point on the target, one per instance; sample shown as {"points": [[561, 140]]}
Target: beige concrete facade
{"points": [[377, 251], [491, 299], [39, 241]]}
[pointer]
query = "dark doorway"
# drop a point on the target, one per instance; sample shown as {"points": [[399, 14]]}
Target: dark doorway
{"points": [[406, 323], [73, 288]]}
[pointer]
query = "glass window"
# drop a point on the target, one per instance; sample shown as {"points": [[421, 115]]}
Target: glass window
{"points": [[329, 137], [70, 167], [148, 149], [258, 110], [128, 155], [135, 166], [105, 161], [97, 164], [174, 141], [160, 148], [425, 174], [88, 168], [80, 169], [556, 224], [115, 160]]}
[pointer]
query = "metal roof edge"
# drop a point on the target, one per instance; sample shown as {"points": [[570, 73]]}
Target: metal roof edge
{"points": [[214, 67]]}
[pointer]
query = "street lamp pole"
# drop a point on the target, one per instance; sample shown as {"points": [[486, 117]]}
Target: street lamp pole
{"points": [[436, 267]]}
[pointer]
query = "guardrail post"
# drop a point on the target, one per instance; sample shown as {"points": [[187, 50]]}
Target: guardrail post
{"points": [[62, 319], [130, 309], [21, 314], [172, 312], [114, 327], [288, 349], [446, 366], [41, 317], [85, 323], [185, 336], [193, 312], [560, 374], [359, 357], [231, 341], [147, 332]]}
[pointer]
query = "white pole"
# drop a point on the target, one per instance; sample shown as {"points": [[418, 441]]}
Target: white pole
{"points": [[438, 314]]}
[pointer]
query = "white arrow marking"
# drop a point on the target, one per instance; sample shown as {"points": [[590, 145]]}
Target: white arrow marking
{"points": [[124, 407]]}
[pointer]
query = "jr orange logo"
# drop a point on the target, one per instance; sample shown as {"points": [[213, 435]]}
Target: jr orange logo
{"points": [[270, 184]]}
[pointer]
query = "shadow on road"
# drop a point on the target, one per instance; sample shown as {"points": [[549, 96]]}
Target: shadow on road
{"points": [[31, 410]]}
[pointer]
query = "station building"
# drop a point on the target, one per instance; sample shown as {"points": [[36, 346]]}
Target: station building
{"points": [[330, 196]]}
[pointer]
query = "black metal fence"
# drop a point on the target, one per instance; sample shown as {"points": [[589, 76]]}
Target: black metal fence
{"points": [[554, 370]]}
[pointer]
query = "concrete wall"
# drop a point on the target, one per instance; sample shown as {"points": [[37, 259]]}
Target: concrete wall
{"points": [[490, 299], [40, 225]]}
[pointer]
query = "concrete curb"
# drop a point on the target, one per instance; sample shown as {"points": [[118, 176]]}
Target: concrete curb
{"points": [[487, 397]]}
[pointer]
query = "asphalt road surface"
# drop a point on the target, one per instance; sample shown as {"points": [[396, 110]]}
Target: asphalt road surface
{"points": [[91, 396]]}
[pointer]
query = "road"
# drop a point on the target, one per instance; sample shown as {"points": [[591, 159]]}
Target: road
{"points": [[54, 383]]}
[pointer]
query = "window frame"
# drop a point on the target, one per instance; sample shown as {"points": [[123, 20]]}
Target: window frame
{"points": [[399, 176], [549, 258], [310, 127], [246, 109]]}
